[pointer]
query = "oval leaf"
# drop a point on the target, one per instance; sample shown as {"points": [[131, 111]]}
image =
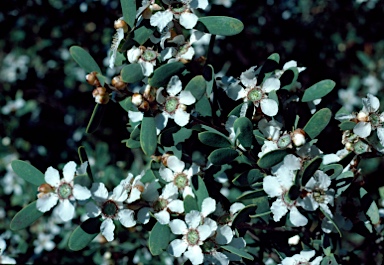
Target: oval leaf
{"points": [[199, 189], [220, 25], [318, 90], [132, 73], [222, 156], [237, 251], [84, 59], [310, 169], [159, 238], [203, 107], [162, 74], [96, 118], [318, 122], [272, 158], [197, 86], [84, 234], [28, 172], [25, 217], [148, 136], [213, 139], [142, 34], [190, 204], [347, 125], [248, 178], [244, 130], [129, 11]]}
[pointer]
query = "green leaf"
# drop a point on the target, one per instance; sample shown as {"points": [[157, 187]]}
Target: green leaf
{"points": [[162, 74], [329, 260], [132, 73], [25, 217], [318, 122], [336, 168], [248, 178], [182, 135], [84, 234], [199, 189], [209, 76], [272, 158], [372, 211], [127, 104], [251, 194], [342, 182], [244, 130], [84, 59], [132, 144], [220, 25], [129, 11], [190, 204], [243, 215], [28, 172], [259, 137], [318, 90], [289, 78], [274, 57], [310, 169], [142, 33], [83, 158], [148, 177], [96, 118], [214, 139], [331, 220], [159, 239], [237, 251], [197, 86], [166, 136], [148, 136], [203, 107], [347, 125], [222, 156]]}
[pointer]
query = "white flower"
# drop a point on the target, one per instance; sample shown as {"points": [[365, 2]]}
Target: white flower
{"points": [[258, 95], [12, 106], [145, 57], [318, 193], [270, 129], [176, 175], [63, 191], [348, 98], [267, 147], [110, 207], [279, 185], [302, 258], [288, 65], [133, 186], [369, 119], [4, 259], [174, 105], [43, 242], [194, 234]]}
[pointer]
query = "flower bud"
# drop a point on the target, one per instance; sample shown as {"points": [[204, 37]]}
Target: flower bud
{"points": [[44, 189], [144, 107], [121, 24], [118, 83], [150, 94], [137, 99], [100, 95], [92, 79], [164, 159], [362, 116], [298, 137]]}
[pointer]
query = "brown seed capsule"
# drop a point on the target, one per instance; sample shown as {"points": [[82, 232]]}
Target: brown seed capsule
{"points": [[298, 137], [137, 99], [150, 94], [118, 83], [92, 79], [121, 24], [144, 106], [101, 96]]}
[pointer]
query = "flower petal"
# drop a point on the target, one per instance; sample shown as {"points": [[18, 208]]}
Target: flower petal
{"points": [[126, 217], [46, 202], [52, 177], [135, 116], [178, 227], [208, 206], [162, 217], [269, 107], [224, 235], [186, 98], [66, 210], [188, 20], [194, 254], [107, 227], [271, 84], [175, 164], [99, 192], [174, 86], [362, 129], [177, 247], [92, 209], [296, 218], [176, 206], [166, 174], [181, 117], [69, 171], [81, 193], [193, 218], [279, 209], [272, 186], [161, 19]]}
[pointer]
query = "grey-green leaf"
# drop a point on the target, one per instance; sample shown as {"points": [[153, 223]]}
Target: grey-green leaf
{"points": [[203, 107], [220, 25], [159, 238], [197, 86], [214, 139], [129, 11], [162, 74], [84, 234], [148, 136], [248, 178], [222, 156], [310, 169], [28, 172], [318, 122], [190, 204], [318, 90], [182, 135], [25, 217], [237, 251], [272, 158], [84, 59], [132, 73], [200, 190], [95, 120], [244, 129]]}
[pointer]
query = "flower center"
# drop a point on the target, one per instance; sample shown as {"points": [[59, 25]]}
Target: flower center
{"points": [[183, 49], [181, 181], [110, 209], [318, 195], [178, 8], [64, 191], [375, 120], [193, 237], [284, 141], [171, 104], [148, 55], [255, 95], [160, 204]]}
